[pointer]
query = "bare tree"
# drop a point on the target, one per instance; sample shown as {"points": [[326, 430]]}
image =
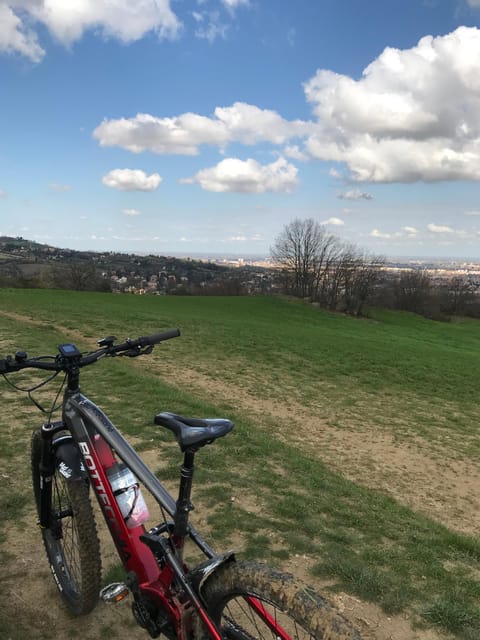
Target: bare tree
{"points": [[326, 287], [318, 266], [457, 295], [77, 277], [361, 273], [350, 279], [302, 249], [19, 276], [413, 290], [333, 279]]}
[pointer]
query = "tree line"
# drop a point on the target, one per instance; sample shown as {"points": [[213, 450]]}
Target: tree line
{"points": [[318, 266], [415, 290], [74, 276]]}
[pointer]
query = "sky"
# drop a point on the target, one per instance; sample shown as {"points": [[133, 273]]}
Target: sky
{"points": [[180, 127]]}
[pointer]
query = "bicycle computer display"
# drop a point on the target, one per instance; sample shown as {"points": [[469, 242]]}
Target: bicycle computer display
{"points": [[69, 350]]}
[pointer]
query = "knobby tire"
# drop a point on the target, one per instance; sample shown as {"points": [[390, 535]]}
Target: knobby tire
{"points": [[301, 612], [71, 540]]}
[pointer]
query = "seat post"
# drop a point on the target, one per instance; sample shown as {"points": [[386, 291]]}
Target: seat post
{"points": [[184, 506]]}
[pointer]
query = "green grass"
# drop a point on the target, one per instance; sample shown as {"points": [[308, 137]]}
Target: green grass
{"points": [[397, 372]]}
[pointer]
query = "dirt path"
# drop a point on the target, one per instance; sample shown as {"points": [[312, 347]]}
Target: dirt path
{"points": [[446, 491]]}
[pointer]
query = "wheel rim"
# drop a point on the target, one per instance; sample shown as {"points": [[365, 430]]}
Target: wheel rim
{"points": [[62, 539]]}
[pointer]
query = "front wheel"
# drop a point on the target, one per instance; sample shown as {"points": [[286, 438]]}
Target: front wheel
{"points": [[71, 540], [250, 601]]}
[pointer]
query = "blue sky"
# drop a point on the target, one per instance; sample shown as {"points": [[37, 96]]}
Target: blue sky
{"points": [[205, 126]]}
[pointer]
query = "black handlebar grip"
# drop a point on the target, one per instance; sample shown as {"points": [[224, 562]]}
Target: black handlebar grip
{"points": [[155, 338]]}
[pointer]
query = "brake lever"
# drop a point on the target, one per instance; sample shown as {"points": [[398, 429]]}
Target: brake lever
{"points": [[137, 351]]}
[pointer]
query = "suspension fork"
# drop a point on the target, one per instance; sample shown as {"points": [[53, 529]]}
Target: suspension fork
{"points": [[46, 470]]}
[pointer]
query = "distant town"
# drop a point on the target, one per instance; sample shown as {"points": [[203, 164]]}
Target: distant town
{"points": [[27, 263], [466, 265], [438, 268]]}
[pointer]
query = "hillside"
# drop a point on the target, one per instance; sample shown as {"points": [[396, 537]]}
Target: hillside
{"points": [[30, 264], [355, 455]]}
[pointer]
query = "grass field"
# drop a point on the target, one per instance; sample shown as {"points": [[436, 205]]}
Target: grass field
{"points": [[352, 444]]}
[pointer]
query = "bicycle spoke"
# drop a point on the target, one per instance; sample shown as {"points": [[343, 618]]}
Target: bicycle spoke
{"points": [[67, 536], [243, 622]]}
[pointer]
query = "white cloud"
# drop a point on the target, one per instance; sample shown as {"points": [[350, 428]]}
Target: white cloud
{"points": [[435, 228], [472, 213], [249, 124], [247, 176], [335, 173], [334, 221], [124, 20], [234, 4], [184, 134], [131, 180], [355, 194], [180, 135], [440, 232], [16, 37], [474, 3], [413, 115], [3, 193], [294, 152], [376, 233], [406, 232], [210, 26], [60, 188], [131, 212], [444, 230]]}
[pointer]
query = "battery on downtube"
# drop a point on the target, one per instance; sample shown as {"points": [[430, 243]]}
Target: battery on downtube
{"points": [[104, 452], [99, 458]]}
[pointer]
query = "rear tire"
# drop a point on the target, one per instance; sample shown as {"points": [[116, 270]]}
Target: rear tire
{"points": [[302, 613], [71, 540]]}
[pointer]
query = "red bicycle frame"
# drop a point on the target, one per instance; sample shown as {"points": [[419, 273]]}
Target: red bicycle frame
{"points": [[96, 438]]}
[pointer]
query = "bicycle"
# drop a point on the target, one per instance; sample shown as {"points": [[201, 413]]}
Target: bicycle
{"points": [[84, 453]]}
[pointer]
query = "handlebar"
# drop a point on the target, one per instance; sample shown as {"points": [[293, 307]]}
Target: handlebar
{"points": [[63, 362]]}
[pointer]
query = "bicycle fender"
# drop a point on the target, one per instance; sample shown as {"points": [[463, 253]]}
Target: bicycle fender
{"points": [[200, 574], [68, 459]]}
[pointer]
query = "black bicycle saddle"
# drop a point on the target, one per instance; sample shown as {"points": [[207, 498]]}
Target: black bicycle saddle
{"points": [[193, 433]]}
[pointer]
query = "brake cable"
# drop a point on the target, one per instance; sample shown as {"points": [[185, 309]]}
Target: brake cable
{"points": [[35, 387], [55, 406]]}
